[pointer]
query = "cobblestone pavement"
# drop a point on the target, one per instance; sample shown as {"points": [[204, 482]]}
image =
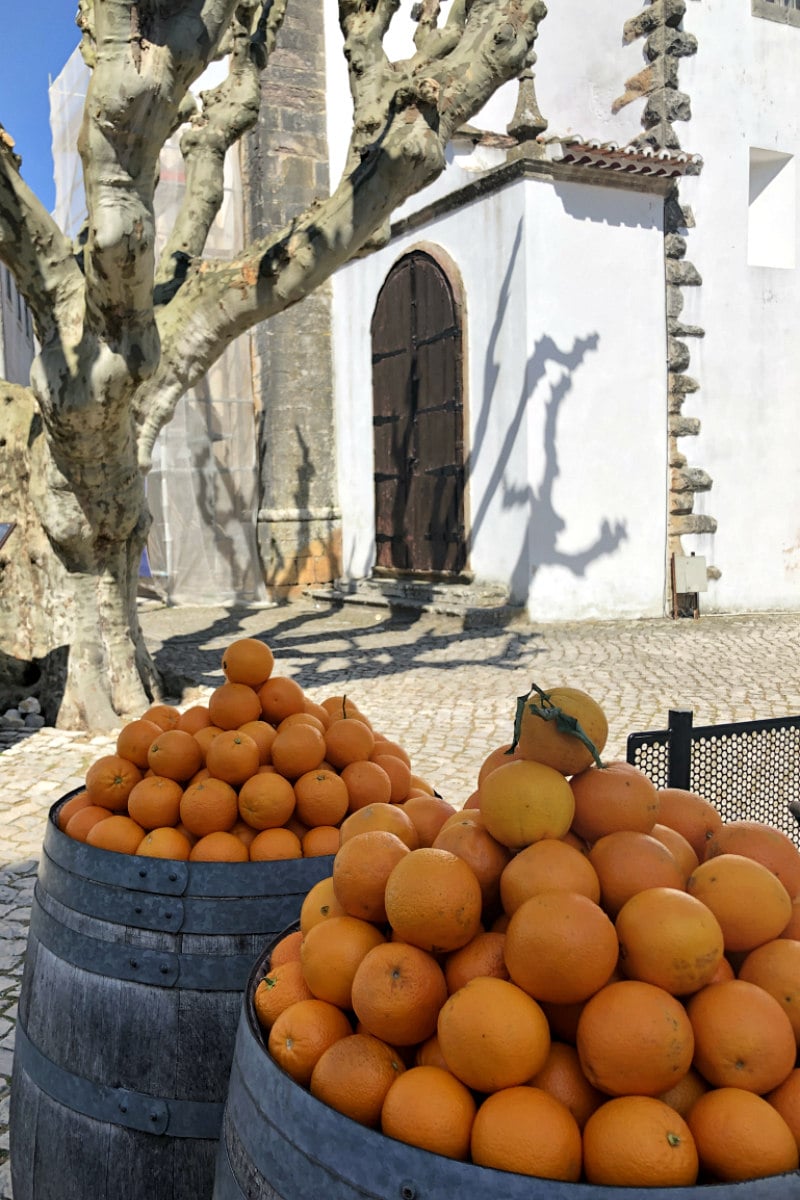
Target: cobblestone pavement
{"points": [[445, 693]]}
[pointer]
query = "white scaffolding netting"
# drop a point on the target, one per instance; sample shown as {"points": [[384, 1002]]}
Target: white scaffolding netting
{"points": [[203, 485]]}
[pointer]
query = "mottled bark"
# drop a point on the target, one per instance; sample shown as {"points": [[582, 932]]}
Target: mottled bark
{"points": [[123, 337]]}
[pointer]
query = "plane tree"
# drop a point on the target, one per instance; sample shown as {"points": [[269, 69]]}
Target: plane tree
{"points": [[124, 332]]}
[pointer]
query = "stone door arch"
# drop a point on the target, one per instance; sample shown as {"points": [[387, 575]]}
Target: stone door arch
{"points": [[418, 411]]}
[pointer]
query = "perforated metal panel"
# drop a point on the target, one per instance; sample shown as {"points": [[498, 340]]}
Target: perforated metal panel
{"points": [[749, 770]]}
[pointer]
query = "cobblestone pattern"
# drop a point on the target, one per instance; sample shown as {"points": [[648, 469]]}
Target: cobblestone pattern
{"points": [[446, 694]]}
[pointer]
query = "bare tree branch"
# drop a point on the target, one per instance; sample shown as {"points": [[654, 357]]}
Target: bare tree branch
{"points": [[228, 111], [416, 105], [33, 247]]}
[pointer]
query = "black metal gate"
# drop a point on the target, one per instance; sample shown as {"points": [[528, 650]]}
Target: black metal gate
{"points": [[418, 421]]}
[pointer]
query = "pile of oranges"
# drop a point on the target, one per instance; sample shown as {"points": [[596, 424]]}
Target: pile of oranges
{"points": [[578, 976], [260, 772]]}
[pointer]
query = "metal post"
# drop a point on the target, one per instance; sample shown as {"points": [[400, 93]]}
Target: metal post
{"points": [[680, 748]]}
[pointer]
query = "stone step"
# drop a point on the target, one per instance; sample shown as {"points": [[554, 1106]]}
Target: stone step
{"points": [[478, 605]]}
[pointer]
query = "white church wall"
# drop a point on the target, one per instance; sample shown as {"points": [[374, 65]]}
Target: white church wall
{"points": [[745, 93], [557, 288]]}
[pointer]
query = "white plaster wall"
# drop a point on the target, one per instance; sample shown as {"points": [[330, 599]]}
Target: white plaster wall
{"points": [[558, 284], [745, 90]]}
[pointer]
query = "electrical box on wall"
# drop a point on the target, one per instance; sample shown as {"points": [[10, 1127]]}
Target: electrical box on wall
{"points": [[690, 573]]}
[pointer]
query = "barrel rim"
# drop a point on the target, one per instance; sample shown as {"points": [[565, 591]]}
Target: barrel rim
{"points": [[470, 1178], [200, 878]]}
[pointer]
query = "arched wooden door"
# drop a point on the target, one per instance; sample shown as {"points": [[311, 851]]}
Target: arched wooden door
{"points": [[418, 421]]}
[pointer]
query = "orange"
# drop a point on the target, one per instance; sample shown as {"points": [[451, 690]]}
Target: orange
{"points": [[429, 1054], [786, 1099], [492, 1035], [354, 1075], [433, 900], [338, 707], [205, 736], [548, 865], [232, 704], [741, 1136], [194, 718], [428, 813], [331, 952], [321, 797], [135, 739], [680, 849], [297, 749], [627, 862], [494, 759], [286, 949], [319, 841], [319, 904], [398, 771], [366, 783], [750, 903], [743, 1037], [279, 697], [361, 868], [562, 1076], [70, 807], [682, 1096], [155, 801], [302, 1033], [302, 718], [110, 780], [209, 806], [484, 955], [613, 797], [283, 984], [397, 992], [639, 1142], [219, 846], [487, 858], [117, 833], [389, 817], [233, 756], [422, 785], [263, 734], [266, 801], [316, 710], [348, 740], [165, 716], [384, 745], [775, 966], [792, 927], [175, 754], [165, 842], [243, 831], [272, 844], [550, 725], [248, 660], [501, 1135], [560, 947], [634, 1039], [669, 938], [430, 1108], [691, 815], [769, 846], [522, 802]]}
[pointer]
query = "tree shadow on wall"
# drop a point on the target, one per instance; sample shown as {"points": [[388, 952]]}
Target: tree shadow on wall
{"points": [[544, 525]]}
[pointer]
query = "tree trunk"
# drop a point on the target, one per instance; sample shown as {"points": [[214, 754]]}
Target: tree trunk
{"points": [[68, 609]]}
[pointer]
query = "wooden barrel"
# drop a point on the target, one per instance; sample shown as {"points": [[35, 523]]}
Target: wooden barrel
{"points": [[279, 1143], [130, 998]]}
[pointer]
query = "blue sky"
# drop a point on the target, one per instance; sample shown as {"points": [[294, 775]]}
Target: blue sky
{"points": [[38, 38]]}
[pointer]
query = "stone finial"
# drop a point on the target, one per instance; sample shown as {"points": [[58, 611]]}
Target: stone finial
{"points": [[527, 122]]}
